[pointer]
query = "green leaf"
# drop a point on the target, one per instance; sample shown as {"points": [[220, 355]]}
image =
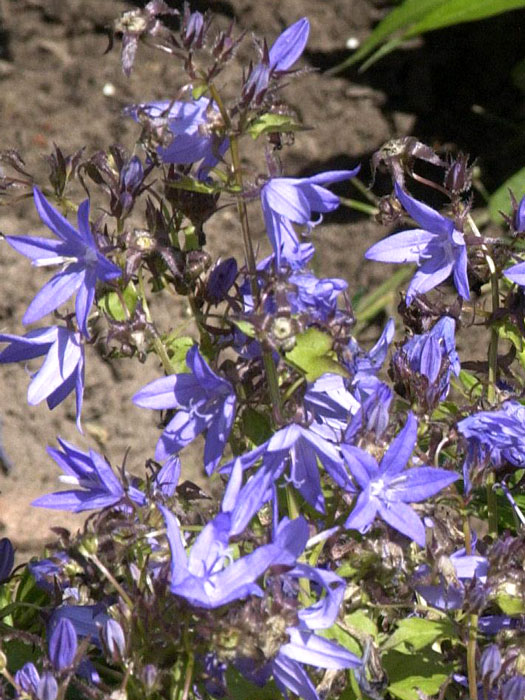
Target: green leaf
{"points": [[245, 327], [272, 123], [470, 384], [256, 426], [510, 604], [417, 633], [359, 620], [409, 673], [191, 185], [500, 199], [416, 17], [508, 331], [111, 303], [177, 348], [314, 356], [27, 615]]}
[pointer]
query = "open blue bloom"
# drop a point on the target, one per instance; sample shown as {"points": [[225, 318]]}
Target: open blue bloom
{"points": [[96, 484], [303, 645], [62, 370], [303, 449], [204, 401], [329, 403], [285, 200], [388, 487], [314, 296], [191, 124], [362, 363], [77, 251], [205, 579], [499, 434], [437, 247]]}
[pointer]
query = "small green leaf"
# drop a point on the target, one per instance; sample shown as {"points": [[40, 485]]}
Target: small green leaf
{"points": [[417, 633], [177, 348], [314, 356], [272, 123], [508, 331], [245, 327], [256, 426], [510, 604], [199, 90], [111, 303], [241, 689], [410, 673], [500, 199], [470, 384], [192, 185]]}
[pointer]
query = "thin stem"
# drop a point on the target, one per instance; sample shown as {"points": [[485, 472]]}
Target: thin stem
{"points": [[471, 657], [125, 597], [157, 342], [493, 370]]}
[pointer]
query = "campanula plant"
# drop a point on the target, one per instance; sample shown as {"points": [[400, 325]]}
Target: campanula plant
{"points": [[357, 529]]}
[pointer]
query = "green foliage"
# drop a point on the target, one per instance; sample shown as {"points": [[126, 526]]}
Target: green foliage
{"points": [[313, 354], [273, 123], [411, 673], [415, 17], [500, 201], [121, 306], [177, 348], [416, 633]]}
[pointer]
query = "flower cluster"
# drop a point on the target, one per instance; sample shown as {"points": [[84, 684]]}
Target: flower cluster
{"points": [[338, 504]]}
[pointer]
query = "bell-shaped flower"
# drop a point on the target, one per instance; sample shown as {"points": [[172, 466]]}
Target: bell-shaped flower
{"points": [[388, 487], [61, 372], [96, 484], [437, 248], [83, 264], [285, 200], [205, 402]]}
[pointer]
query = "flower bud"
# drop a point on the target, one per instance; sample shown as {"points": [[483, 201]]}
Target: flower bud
{"points": [[28, 678], [490, 664], [112, 637], [62, 644], [221, 279], [47, 688], [7, 558]]}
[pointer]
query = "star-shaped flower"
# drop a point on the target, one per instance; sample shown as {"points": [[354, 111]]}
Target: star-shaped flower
{"points": [[205, 402], [437, 247], [77, 251], [62, 370], [388, 487]]}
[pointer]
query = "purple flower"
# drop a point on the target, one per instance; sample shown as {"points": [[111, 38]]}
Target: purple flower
{"points": [[204, 579], [28, 677], [204, 401], [388, 487], [304, 448], [62, 370], [422, 367], [289, 46], [7, 558], [77, 251], [96, 484], [285, 200], [438, 249], [516, 273], [62, 644], [499, 433], [317, 297], [191, 124], [47, 688]]}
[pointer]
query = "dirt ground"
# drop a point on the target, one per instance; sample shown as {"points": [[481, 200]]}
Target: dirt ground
{"points": [[57, 86]]}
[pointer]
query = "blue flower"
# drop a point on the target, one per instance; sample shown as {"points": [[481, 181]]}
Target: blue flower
{"points": [[97, 486], [205, 402], [62, 644], [204, 578], [437, 247], [62, 370], [387, 487], [77, 251], [7, 558], [289, 46], [285, 200], [191, 125]]}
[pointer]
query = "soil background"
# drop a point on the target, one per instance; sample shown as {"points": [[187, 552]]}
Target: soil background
{"points": [[451, 89]]}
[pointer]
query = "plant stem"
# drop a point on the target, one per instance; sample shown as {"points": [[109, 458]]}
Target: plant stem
{"points": [[493, 371], [471, 657]]}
